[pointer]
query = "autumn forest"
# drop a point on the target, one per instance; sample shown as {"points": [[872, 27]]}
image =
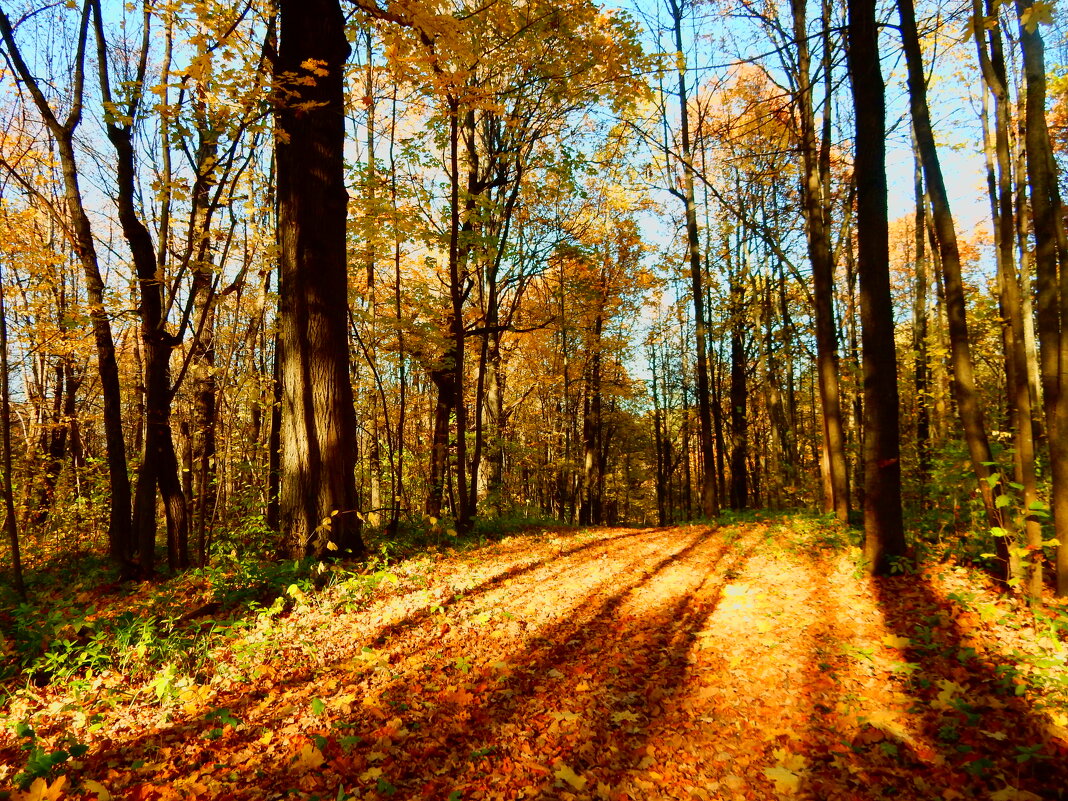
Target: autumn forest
{"points": [[533, 399]]}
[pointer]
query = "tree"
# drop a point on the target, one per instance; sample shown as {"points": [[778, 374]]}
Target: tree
{"points": [[693, 249], [159, 466], [884, 536], [968, 405], [318, 426], [815, 199], [79, 230], [1051, 273]]}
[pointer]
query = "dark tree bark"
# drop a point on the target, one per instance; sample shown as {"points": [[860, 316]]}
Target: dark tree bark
{"points": [[317, 496], [884, 537], [159, 465], [444, 379]]}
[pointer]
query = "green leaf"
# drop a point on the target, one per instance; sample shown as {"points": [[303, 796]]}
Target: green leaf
{"points": [[1002, 501], [318, 706], [385, 787]]}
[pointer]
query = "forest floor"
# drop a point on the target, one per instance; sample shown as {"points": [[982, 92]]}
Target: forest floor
{"points": [[748, 661]]}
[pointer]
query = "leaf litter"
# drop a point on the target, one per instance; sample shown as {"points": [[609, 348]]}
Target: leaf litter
{"points": [[741, 662]]}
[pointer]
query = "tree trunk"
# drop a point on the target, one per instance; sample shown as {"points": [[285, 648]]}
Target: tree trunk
{"points": [[704, 409], [1051, 282], [815, 200], [11, 524], [1001, 200], [968, 406], [921, 380], [591, 510], [884, 537], [444, 379], [739, 393], [317, 495], [120, 532]]}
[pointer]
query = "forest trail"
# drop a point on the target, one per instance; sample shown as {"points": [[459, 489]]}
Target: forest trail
{"points": [[751, 661]]}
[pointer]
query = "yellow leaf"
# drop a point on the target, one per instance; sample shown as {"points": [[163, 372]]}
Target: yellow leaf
{"points": [[786, 781], [101, 791], [309, 758], [565, 774], [1040, 13], [1010, 793], [949, 690], [893, 641], [370, 775], [792, 762], [41, 790]]}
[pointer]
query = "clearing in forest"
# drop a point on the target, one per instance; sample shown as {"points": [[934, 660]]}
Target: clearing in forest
{"points": [[750, 661]]}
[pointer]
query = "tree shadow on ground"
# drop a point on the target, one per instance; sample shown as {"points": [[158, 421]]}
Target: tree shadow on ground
{"points": [[562, 709], [964, 734]]}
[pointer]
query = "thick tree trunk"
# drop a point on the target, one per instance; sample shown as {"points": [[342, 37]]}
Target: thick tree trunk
{"points": [[317, 503], [444, 380], [884, 537]]}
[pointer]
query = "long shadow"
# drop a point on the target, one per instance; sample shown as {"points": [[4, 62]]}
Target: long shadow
{"points": [[588, 690], [977, 737], [453, 729], [417, 617], [846, 760]]}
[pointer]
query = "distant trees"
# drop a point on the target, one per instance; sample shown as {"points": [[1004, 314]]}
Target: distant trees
{"points": [[311, 273]]}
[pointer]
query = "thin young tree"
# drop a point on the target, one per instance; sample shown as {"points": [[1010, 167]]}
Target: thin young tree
{"points": [[1051, 275], [79, 231], [964, 389]]}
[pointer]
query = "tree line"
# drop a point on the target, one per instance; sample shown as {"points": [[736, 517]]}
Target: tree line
{"points": [[275, 274]]}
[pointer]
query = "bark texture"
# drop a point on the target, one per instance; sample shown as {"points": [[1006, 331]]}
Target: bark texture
{"points": [[317, 494]]}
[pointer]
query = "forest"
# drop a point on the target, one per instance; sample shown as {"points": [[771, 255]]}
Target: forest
{"points": [[532, 398]]}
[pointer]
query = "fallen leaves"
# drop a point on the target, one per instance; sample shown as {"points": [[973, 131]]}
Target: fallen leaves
{"points": [[611, 665], [308, 758], [41, 790], [568, 776]]}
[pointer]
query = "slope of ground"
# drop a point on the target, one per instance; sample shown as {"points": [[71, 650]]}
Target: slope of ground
{"points": [[752, 661]]}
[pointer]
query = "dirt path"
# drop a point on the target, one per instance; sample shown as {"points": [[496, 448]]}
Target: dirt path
{"points": [[742, 663]]}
